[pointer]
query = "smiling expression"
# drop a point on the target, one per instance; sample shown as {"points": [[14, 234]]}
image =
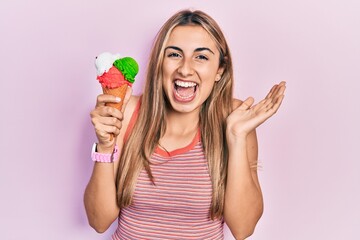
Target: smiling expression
{"points": [[190, 68]]}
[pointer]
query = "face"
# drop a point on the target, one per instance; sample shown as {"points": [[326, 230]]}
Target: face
{"points": [[190, 68]]}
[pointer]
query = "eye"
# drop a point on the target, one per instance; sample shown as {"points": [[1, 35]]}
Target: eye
{"points": [[174, 55], [202, 57]]}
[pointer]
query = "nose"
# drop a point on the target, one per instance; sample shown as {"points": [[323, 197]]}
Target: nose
{"points": [[185, 68]]}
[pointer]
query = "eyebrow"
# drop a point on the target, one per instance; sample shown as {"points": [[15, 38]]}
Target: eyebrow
{"points": [[196, 50]]}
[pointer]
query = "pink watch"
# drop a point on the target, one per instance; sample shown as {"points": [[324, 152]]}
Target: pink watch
{"points": [[104, 157]]}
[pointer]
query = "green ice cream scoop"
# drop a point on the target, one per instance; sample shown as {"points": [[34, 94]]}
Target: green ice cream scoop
{"points": [[128, 67]]}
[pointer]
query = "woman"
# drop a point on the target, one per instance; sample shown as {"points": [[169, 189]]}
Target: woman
{"points": [[188, 150]]}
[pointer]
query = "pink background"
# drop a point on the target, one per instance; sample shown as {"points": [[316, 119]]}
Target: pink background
{"points": [[309, 150]]}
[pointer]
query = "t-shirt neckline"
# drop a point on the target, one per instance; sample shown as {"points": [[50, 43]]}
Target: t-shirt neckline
{"points": [[178, 151]]}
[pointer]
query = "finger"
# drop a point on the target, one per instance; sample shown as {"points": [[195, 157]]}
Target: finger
{"points": [[280, 88], [268, 108], [110, 121], [102, 99], [100, 122], [282, 83], [275, 89], [276, 105], [279, 101], [100, 117], [280, 91], [126, 98], [108, 111], [263, 105], [271, 92], [105, 131], [246, 104], [276, 92]]}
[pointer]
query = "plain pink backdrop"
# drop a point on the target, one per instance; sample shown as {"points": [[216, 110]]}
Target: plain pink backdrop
{"points": [[310, 165]]}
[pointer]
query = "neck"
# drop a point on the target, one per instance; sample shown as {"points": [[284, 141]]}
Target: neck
{"points": [[182, 123]]}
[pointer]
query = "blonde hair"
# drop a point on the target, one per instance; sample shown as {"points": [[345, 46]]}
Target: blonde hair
{"points": [[147, 131]]}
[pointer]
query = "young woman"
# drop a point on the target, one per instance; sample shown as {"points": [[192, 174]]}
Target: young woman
{"points": [[185, 159]]}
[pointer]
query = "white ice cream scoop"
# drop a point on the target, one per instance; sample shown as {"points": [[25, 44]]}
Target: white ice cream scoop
{"points": [[104, 62]]}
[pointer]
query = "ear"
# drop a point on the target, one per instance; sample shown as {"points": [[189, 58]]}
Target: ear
{"points": [[219, 74]]}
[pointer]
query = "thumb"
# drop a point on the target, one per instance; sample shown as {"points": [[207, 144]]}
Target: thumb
{"points": [[246, 104]]}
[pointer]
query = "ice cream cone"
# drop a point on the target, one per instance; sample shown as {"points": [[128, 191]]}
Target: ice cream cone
{"points": [[115, 75], [118, 92]]}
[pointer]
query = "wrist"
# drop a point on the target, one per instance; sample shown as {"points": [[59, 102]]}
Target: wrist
{"points": [[104, 157], [101, 148], [236, 137]]}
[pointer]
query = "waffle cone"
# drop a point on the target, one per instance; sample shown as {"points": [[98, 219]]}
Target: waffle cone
{"points": [[119, 92]]}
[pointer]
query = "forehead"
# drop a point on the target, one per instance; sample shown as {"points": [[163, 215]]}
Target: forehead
{"points": [[191, 37]]}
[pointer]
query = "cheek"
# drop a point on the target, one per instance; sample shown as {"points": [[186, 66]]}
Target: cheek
{"points": [[208, 71], [167, 72], [208, 75], [168, 69]]}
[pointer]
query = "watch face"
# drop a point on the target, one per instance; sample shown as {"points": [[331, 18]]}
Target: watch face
{"points": [[93, 149]]}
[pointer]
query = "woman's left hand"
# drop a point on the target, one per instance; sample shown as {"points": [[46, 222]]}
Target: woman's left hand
{"points": [[247, 116]]}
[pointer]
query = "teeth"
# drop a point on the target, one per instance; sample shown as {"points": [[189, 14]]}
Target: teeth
{"points": [[182, 97], [185, 84]]}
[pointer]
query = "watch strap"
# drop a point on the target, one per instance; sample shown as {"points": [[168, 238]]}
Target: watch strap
{"points": [[104, 157]]}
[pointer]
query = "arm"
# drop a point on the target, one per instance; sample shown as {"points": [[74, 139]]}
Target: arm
{"points": [[243, 197], [100, 194]]}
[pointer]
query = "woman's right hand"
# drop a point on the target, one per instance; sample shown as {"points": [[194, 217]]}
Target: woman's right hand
{"points": [[107, 120]]}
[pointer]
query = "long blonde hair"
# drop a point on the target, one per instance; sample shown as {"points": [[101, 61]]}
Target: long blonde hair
{"points": [[150, 124]]}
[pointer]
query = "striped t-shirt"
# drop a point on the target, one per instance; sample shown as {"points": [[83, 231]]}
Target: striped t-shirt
{"points": [[178, 205]]}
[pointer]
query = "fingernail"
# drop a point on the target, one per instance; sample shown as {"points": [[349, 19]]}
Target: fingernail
{"points": [[117, 99]]}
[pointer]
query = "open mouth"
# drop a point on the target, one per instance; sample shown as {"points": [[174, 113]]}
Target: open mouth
{"points": [[185, 91]]}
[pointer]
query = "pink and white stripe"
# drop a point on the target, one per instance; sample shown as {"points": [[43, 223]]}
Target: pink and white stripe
{"points": [[177, 206]]}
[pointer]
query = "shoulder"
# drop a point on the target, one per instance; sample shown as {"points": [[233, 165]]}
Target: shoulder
{"points": [[130, 109], [128, 113], [131, 106]]}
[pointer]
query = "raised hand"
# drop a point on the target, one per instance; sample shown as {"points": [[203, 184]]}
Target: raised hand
{"points": [[247, 116], [107, 120]]}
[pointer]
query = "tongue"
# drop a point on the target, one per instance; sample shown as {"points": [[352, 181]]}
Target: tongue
{"points": [[185, 91]]}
